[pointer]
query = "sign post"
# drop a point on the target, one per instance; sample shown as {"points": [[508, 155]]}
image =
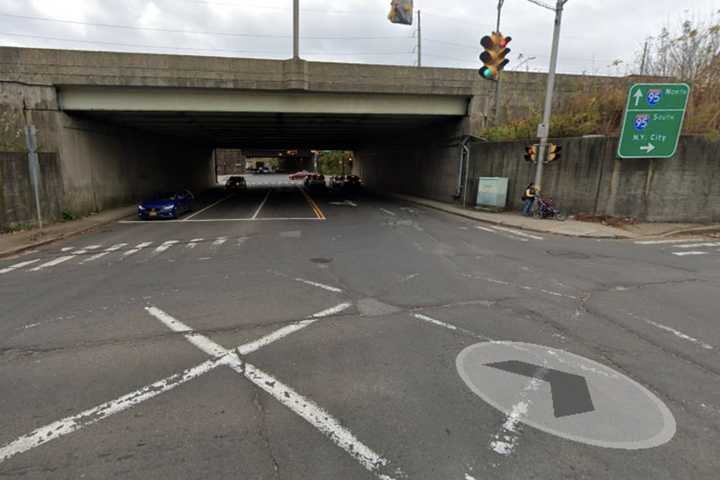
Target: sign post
{"points": [[653, 120]]}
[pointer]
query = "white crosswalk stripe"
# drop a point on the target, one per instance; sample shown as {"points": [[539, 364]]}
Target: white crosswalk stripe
{"points": [[107, 251], [91, 253], [137, 248], [17, 266], [684, 247], [166, 246]]}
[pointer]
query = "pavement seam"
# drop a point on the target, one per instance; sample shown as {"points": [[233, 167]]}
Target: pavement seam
{"points": [[262, 431]]}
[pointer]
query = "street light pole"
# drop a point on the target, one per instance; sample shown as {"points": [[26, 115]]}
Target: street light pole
{"points": [[544, 128], [419, 40], [296, 29]]}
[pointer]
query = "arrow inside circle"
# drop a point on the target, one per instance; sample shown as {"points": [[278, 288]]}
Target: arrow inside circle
{"points": [[570, 392]]}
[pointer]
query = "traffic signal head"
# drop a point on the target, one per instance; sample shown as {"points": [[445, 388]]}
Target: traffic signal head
{"points": [[493, 57], [531, 153], [553, 152]]}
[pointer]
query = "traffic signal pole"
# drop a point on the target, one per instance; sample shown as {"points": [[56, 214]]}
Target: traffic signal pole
{"points": [[544, 128], [498, 88]]}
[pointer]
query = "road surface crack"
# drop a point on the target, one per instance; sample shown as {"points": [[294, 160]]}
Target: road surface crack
{"points": [[263, 432]]}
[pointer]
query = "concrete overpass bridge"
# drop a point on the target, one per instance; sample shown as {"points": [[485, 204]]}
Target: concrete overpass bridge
{"points": [[124, 125]]}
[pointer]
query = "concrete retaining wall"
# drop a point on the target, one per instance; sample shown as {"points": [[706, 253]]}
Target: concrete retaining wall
{"points": [[588, 179], [17, 201]]}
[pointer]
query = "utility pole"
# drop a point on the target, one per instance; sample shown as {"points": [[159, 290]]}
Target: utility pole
{"points": [[544, 128], [419, 41], [644, 58], [497, 83], [296, 29]]}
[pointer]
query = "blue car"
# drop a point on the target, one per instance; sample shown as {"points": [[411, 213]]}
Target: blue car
{"points": [[166, 205]]}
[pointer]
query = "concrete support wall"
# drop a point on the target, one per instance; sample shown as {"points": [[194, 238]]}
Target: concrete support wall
{"points": [[423, 163], [89, 166], [17, 201], [588, 179], [105, 166]]}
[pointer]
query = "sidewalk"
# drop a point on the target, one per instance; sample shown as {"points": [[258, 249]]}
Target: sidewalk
{"points": [[12, 243], [571, 228]]}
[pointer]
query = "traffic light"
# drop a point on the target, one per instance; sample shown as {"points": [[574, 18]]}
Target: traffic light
{"points": [[401, 11], [531, 153], [553, 153], [493, 58]]}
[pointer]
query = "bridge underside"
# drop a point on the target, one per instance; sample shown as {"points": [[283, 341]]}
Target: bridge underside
{"points": [[273, 130]]}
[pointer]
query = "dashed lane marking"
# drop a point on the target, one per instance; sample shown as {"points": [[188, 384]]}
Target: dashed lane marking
{"points": [[387, 212], [691, 253], [664, 242], [193, 243], [506, 235], [698, 245], [18, 265], [219, 241], [319, 285], [677, 333]]}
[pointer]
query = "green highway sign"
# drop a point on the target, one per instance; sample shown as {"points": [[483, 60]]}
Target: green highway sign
{"points": [[653, 120]]}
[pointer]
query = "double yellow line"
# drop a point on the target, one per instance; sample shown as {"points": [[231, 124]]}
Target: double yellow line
{"points": [[318, 213]]}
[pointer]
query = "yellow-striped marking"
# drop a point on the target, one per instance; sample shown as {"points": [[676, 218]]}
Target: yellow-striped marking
{"points": [[318, 213]]}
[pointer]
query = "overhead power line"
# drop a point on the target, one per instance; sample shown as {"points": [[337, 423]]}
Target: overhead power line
{"points": [[208, 49], [195, 32]]}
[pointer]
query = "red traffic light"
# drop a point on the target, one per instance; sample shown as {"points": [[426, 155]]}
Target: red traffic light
{"points": [[504, 42]]}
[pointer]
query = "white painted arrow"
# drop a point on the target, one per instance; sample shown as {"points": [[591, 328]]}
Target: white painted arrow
{"points": [[648, 148], [638, 95]]}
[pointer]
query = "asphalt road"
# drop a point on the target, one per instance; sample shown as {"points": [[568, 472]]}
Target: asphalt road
{"points": [[280, 336]]}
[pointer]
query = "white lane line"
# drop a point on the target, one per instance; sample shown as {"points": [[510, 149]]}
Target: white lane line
{"points": [[698, 245], [107, 251], [92, 247], [93, 415], [300, 405], [315, 416], [71, 424], [137, 248], [497, 232], [52, 263], [165, 246], [262, 204], [518, 233], [288, 329], [663, 242], [219, 241], [200, 341], [507, 437], [224, 220], [524, 287], [692, 253], [241, 241], [451, 327], [677, 333], [67, 249], [193, 243], [319, 285], [204, 209], [387, 212], [18, 265]]}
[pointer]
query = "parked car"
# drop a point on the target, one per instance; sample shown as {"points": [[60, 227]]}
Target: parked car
{"points": [[346, 183], [166, 205], [301, 175], [235, 183], [263, 169]]}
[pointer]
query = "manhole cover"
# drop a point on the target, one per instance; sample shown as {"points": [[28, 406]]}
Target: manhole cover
{"points": [[568, 254], [321, 260]]}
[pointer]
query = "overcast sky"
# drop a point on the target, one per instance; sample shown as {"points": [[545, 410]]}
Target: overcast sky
{"points": [[595, 32]]}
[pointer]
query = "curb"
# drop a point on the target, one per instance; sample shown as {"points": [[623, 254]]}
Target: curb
{"points": [[702, 229], [461, 213], [63, 235]]}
